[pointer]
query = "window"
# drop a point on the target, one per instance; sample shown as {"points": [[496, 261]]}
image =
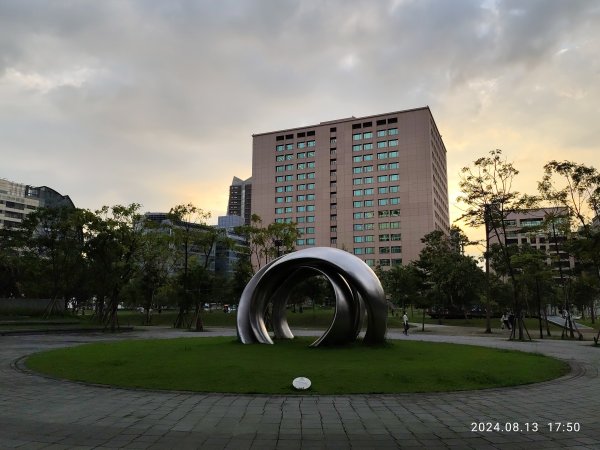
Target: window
{"points": [[369, 238], [368, 202], [393, 154], [382, 201], [289, 188], [310, 186], [300, 219], [358, 227], [300, 231], [357, 148], [358, 239], [394, 189], [301, 155], [384, 249], [310, 241], [396, 237], [310, 154], [289, 146], [279, 220], [358, 251], [358, 215], [279, 189], [384, 262], [279, 148], [395, 177], [279, 158], [394, 165], [368, 157], [368, 135], [357, 204], [381, 144], [382, 190], [301, 208], [288, 209], [368, 168], [310, 219], [301, 144], [369, 191], [393, 120], [279, 168], [310, 196], [394, 201], [384, 225], [393, 131], [357, 159], [384, 237], [310, 208], [382, 178], [368, 180], [300, 241], [310, 230], [394, 224], [310, 165], [369, 214], [357, 170], [301, 176], [278, 210], [301, 187], [382, 155], [289, 167], [278, 178], [393, 143], [369, 226], [289, 157], [396, 249], [357, 136], [382, 166], [310, 175], [301, 166], [289, 177], [368, 146], [289, 199], [356, 181], [278, 199], [310, 143], [357, 192], [381, 133]]}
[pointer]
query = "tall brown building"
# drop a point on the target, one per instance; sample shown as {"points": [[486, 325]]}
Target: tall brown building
{"points": [[240, 199], [373, 185]]}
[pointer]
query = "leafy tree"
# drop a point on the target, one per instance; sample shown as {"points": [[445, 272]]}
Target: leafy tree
{"points": [[488, 197]]}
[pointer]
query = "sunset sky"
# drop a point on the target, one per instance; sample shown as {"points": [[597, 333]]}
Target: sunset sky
{"points": [[133, 101]]}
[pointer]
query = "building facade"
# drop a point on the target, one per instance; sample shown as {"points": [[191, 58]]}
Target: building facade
{"points": [[240, 199], [373, 186], [17, 200], [543, 229]]}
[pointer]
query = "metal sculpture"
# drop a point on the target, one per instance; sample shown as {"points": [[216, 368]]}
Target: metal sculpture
{"points": [[357, 290]]}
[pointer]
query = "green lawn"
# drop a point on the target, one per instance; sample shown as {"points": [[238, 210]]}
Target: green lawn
{"points": [[224, 365]]}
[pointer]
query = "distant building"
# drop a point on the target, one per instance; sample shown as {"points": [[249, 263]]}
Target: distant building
{"points": [[240, 199], [543, 229], [226, 257], [373, 185], [17, 200]]}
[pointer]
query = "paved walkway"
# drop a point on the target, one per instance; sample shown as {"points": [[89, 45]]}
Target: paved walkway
{"points": [[38, 412]]}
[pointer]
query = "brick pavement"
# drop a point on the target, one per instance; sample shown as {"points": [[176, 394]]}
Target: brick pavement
{"points": [[38, 412]]}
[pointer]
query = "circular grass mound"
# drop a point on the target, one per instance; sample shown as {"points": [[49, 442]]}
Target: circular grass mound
{"points": [[224, 365]]}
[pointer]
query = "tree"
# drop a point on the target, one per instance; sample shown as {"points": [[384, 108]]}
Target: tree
{"points": [[577, 188], [454, 279], [113, 246], [488, 197]]}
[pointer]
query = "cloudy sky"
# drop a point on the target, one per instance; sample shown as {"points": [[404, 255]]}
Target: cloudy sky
{"points": [[155, 102]]}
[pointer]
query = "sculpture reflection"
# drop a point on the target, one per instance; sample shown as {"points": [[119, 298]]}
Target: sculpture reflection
{"points": [[357, 291]]}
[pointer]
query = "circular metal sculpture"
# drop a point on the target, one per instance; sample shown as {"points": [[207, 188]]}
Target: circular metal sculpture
{"points": [[356, 288]]}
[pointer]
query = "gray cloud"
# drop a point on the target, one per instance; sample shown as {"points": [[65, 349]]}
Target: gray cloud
{"points": [[141, 95]]}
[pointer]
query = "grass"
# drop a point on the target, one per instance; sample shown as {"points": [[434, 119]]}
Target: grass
{"points": [[224, 365]]}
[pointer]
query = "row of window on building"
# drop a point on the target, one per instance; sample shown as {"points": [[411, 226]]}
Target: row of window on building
{"points": [[290, 156], [303, 144]]}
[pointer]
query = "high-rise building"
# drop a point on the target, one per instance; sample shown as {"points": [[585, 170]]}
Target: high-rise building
{"points": [[373, 185], [240, 199], [17, 200]]}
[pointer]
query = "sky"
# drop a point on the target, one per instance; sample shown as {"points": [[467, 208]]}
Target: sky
{"points": [[155, 102]]}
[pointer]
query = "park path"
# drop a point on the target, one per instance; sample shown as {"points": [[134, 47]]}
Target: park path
{"points": [[39, 412]]}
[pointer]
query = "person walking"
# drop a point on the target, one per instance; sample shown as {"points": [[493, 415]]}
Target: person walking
{"points": [[405, 322]]}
